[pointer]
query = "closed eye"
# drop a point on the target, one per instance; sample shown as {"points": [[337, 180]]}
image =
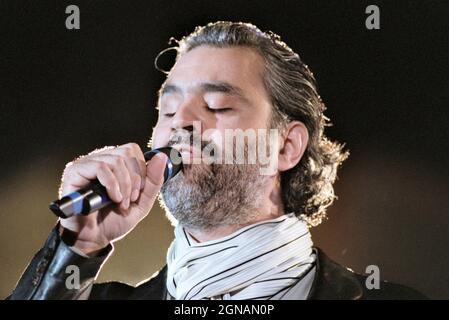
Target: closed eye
{"points": [[218, 110]]}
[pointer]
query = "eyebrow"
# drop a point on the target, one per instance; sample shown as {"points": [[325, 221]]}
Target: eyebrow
{"points": [[220, 87]]}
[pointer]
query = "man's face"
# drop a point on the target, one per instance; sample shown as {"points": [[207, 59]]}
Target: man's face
{"points": [[219, 89]]}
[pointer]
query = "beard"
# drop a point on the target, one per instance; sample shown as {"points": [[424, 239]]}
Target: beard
{"points": [[207, 196]]}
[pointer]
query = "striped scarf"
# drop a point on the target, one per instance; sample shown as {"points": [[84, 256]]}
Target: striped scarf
{"points": [[256, 262]]}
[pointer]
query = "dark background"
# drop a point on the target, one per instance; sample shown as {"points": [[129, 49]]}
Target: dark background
{"points": [[66, 92]]}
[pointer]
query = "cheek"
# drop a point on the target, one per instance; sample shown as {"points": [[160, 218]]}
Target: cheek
{"points": [[255, 117], [160, 136], [216, 130], [261, 117]]}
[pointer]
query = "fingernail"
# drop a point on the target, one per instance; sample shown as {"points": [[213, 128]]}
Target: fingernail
{"points": [[125, 203], [162, 156], [119, 195], [134, 195]]}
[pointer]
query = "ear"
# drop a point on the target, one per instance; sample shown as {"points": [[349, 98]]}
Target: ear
{"points": [[295, 139]]}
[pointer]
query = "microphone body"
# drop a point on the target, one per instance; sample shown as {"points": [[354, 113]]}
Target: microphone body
{"points": [[94, 196]]}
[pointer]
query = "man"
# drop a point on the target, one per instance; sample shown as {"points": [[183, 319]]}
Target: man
{"points": [[242, 225]]}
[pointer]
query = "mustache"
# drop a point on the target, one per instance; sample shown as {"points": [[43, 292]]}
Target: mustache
{"points": [[182, 138]]}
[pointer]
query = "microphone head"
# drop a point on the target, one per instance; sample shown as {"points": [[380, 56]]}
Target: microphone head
{"points": [[174, 160]]}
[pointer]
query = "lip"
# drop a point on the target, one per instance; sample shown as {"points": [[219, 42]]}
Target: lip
{"points": [[183, 148]]}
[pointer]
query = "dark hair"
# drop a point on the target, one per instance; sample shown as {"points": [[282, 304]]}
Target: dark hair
{"points": [[307, 188]]}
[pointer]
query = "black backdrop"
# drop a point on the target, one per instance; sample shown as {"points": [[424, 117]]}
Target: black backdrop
{"points": [[65, 92]]}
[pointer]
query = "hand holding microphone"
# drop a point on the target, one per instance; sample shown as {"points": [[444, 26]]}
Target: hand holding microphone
{"points": [[118, 186], [95, 195]]}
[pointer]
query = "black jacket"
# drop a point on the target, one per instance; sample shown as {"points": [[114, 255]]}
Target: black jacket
{"points": [[46, 276]]}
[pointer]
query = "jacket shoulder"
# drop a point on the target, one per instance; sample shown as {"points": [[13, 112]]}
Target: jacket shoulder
{"points": [[333, 281], [390, 291], [151, 289]]}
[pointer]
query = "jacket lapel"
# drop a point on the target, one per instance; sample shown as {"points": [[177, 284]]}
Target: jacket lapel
{"points": [[333, 281]]}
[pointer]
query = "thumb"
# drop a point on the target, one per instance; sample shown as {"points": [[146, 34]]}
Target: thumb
{"points": [[153, 181]]}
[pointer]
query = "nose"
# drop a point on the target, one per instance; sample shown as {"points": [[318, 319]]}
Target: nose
{"points": [[187, 116]]}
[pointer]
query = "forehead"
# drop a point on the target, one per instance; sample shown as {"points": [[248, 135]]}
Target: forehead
{"points": [[239, 66]]}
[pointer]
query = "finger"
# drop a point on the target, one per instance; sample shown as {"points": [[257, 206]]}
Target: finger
{"points": [[120, 170], [137, 178], [89, 170], [135, 160], [132, 150], [153, 182], [110, 182], [131, 180], [129, 150], [136, 164], [131, 164]]}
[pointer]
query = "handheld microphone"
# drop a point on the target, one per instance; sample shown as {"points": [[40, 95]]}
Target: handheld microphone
{"points": [[94, 196]]}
